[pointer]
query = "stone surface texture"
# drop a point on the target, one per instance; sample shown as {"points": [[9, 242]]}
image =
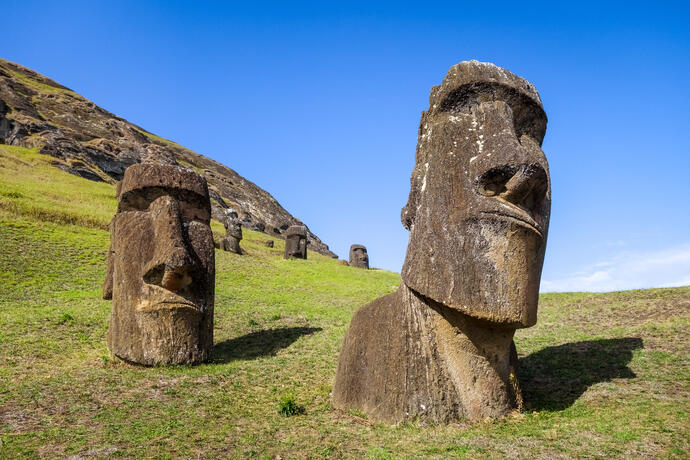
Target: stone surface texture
{"points": [[90, 142], [359, 257], [296, 242], [441, 348], [161, 268]]}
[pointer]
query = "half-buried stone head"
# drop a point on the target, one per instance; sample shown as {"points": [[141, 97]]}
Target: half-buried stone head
{"points": [[480, 196], [358, 256], [233, 233], [296, 242], [441, 347], [161, 270]]}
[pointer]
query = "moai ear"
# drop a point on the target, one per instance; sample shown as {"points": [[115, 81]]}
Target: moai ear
{"points": [[409, 211], [108, 283]]}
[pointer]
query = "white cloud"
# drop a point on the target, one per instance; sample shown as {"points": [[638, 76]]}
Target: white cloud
{"points": [[629, 270]]}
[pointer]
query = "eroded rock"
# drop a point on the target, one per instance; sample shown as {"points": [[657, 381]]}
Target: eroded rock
{"points": [[160, 274], [440, 348]]}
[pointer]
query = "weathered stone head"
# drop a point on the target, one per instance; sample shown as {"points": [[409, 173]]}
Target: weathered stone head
{"points": [[478, 210], [161, 270], [233, 233], [296, 242], [441, 347], [358, 256]]}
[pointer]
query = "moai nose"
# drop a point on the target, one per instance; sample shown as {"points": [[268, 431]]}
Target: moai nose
{"points": [[527, 187], [523, 185], [172, 264]]}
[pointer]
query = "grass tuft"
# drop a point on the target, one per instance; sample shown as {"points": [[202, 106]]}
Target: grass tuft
{"points": [[287, 406]]}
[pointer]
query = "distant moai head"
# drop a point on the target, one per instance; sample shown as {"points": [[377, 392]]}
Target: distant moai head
{"points": [[161, 269], [478, 210], [233, 226], [358, 256], [296, 242]]}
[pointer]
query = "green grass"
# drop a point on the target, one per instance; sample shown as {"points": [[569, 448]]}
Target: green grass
{"points": [[32, 188], [604, 375]]}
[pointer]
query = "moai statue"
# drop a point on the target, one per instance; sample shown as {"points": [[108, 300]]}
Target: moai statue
{"points": [[233, 233], [161, 273], [358, 256], [441, 348], [296, 242]]}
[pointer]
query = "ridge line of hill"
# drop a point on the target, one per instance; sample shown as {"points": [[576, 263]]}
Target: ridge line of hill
{"points": [[90, 142]]}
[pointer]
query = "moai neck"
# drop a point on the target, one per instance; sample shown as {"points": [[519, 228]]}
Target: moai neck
{"points": [[479, 358]]}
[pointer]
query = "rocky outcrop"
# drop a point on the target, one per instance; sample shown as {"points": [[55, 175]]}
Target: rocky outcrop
{"points": [[36, 112]]}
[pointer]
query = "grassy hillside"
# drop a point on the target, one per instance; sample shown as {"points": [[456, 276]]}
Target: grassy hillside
{"points": [[604, 374]]}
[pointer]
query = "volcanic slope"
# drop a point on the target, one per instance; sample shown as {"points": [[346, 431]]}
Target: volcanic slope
{"points": [[36, 112]]}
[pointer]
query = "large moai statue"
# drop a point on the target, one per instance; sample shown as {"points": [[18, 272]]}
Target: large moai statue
{"points": [[359, 257], [161, 271], [441, 347], [296, 242], [233, 233]]}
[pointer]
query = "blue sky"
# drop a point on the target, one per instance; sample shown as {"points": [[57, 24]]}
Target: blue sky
{"points": [[320, 106]]}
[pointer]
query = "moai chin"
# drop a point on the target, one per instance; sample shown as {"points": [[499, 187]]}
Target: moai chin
{"points": [[441, 348], [296, 242], [161, 272], [233, 234], [358, 256]]}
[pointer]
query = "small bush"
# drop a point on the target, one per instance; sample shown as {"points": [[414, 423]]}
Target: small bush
{"points": [[289, 407]]}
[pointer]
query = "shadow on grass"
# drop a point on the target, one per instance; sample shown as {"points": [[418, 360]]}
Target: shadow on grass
{"points": [[259, 343], [553, 378]]}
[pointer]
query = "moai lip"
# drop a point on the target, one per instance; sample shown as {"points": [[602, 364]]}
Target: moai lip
{"points": [[161, 267], [359, 257], [441, 347], [296, 242]]}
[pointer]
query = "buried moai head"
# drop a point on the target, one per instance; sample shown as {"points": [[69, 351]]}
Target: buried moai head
{"points": [[233, 226], [358, 256], [161, 270], [478, 210], [233, 233], [296, 242]]}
